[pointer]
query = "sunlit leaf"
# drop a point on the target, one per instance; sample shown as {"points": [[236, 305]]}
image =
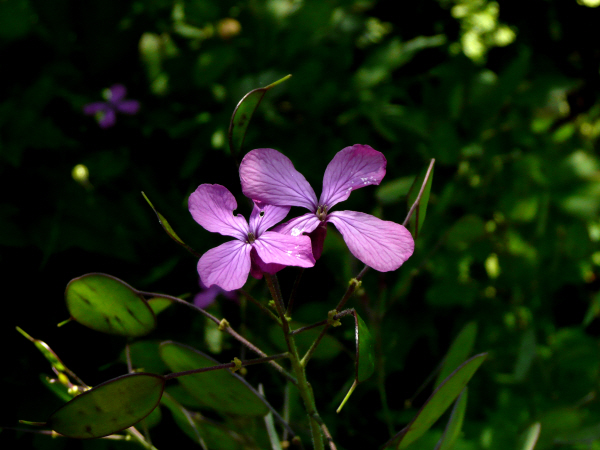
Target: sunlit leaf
{"points": [[218, 389], [531, 436], [243, 113], [169, 230], [394, 190], [455, 423], [418, 217], [458, 352], [46, 351], [437, 403], [109, 407], [107, 304]]}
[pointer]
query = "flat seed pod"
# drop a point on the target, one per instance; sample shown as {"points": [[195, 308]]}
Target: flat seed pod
{"points": [[219, 389], [105, 303], [109, 407]]}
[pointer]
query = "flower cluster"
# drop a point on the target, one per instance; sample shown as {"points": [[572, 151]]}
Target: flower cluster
{"points": [[106, 112], [271, 181]]}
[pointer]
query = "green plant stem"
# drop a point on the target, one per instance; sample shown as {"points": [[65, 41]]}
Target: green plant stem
{"points": [[263, 308], [226, 328], [290, 305], [352, 286], [297, 368]]}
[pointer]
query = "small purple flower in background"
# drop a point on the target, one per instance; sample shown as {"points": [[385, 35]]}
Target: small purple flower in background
{"points": [[106, 112], [270, 177], [255, 249], [207, 296]]}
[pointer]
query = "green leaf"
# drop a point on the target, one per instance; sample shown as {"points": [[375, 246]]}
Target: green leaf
{"points": [[159, 304], [204, 432], [531, 436], [364, 365], [455, 423], [392, 191], [243, 113], [458, 352], [365, 358], [145, 357], [438, 402], [110, 407], [221, 390], [167, 227], [422, 183], [105, 303]]}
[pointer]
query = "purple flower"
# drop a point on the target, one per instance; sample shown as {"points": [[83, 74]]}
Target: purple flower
{"points": [[255, 249], [106, 112], [207, 296], [270, 177]]}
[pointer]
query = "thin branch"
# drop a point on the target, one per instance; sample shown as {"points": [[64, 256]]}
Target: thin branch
{"points": [[266, 310], [230, 365], [321, 323], [226, 328], [418, 199], [290, 305]]}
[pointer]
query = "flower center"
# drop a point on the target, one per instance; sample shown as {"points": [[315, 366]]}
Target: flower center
{"points": [[322, 212], [251, 238]]}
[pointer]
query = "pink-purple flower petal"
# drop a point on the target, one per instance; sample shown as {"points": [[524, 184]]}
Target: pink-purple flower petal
{"points": [[108, 118], [264, 216], [95, 107], [212, 206], [269, 176], [128, 106], [380, 244], [351, 168], [226, 266], [283, 249], [117, 92], [306, 223]]}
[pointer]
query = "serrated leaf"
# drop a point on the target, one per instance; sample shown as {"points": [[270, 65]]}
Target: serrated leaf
{"points": [[109, 407], [219, 389], [105, 303], [455, 423], [437, 403], [243, 113], [458, 352], [421, 181], [169, 230]]}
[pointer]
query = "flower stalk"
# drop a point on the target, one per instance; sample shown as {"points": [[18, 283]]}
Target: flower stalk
{"points": [[297, 367]]}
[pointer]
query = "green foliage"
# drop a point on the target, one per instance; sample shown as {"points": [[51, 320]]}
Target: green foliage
{"points": [[503, 97]]}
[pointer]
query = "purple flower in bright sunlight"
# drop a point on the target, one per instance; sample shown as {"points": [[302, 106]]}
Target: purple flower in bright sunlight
{"points": [[106, 112], [255, 249], [270, 177], [207, 296]]}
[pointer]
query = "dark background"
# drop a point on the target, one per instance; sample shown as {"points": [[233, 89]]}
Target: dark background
{"points": [[505, 97]]}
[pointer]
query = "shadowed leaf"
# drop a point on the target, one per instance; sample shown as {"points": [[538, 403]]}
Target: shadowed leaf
{"points": [[455, 423], [243, 113], [107, 304], [109, 407], [437, 403], [458, 352], [169, 230], [220, 389]]}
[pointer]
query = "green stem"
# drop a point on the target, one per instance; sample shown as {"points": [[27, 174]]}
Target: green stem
{"points": [[264, 309], [297, 368], [352, 287]]}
